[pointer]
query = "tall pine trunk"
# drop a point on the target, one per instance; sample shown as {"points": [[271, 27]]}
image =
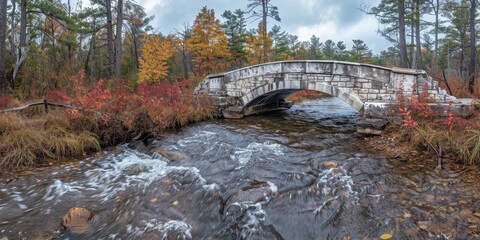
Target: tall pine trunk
{"points": [[435, 51], [3, 39], [417, 36], [264, 24], [118, 38], [401, 32], [22, 48], [473, 51], [12, 32], [111, 53]]}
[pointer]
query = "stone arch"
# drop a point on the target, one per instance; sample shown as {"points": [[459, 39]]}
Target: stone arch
{"points": [[269, 96], [367, 88]]}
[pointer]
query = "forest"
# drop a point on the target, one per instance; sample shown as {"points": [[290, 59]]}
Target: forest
{"points": [[105, 60], [44, 42]]}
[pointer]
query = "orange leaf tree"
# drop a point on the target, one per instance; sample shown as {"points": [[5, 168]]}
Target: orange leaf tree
{"points": [[258, 47], [208, 44], [153, 62]]}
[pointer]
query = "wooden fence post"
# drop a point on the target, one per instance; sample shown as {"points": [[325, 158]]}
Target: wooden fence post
{"points": [[45, 103]]}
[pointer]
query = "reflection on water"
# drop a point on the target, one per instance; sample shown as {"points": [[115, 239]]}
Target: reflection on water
{"points": [[299, 174]]}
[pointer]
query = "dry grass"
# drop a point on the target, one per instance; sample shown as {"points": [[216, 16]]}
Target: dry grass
{"points": [[10, 122], [24, 147], [31, 138], [63, 143], [463, 144]]}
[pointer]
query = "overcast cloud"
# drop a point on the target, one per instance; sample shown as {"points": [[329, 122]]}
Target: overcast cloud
{"points": [[338, 20]]}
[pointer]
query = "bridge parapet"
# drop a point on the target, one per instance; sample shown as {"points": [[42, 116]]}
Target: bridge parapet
{"points": [[265, 86]]}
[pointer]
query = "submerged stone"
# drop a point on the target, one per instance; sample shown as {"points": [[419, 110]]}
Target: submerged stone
{"points": [[77, 220], [330, 164]]}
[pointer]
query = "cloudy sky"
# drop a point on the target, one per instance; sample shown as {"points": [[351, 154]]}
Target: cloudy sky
{"points": [[339, 20]]}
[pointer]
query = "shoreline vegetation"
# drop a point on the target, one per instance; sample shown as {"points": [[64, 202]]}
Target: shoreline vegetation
{"points": [[115, 112], [105, 115]]}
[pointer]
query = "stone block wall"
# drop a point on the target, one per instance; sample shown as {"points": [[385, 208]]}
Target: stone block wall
{"points": [[354, 83]]}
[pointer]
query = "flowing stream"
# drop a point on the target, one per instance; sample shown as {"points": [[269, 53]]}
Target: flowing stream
{"points": [[299, 174]]}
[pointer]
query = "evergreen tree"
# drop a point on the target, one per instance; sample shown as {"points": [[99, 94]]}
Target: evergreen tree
{"points": [[315, 48], [235, 29], [341, 51], [267, 10], [329, 49], [280, 49], [360, 52]]}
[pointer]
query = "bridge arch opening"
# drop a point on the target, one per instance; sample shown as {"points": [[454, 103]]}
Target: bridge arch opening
{"points": [[258, 101]]}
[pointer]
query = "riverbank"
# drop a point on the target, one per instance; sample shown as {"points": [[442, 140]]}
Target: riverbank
{"points": [[103, 116]]}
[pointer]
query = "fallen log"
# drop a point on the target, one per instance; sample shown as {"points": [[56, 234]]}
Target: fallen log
{"points": [[44, 103]]}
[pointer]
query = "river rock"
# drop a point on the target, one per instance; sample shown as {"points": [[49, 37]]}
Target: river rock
{"points": [[161, 152], [176, 155], [371, 126], [330, 164], [258, 193], [135, 169], [77, 220]]}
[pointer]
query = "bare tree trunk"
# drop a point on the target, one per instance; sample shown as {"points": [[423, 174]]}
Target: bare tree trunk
{"points": [[111, 53], [401, 32], [118, 38], [473, 50], [22, 48], [413, 56], [264, 24], [12, 32], [69, 46], [417, 36], [3, 39], [135, 48], [435, 51], [87, 68], [23, 27]]}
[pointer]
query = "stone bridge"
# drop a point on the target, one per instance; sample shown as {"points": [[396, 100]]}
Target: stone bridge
{"points": [[367, 88]]}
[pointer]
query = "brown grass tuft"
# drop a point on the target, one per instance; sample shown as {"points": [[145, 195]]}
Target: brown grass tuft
{"points": [[65, 144], [24, 147], [10, 122]]}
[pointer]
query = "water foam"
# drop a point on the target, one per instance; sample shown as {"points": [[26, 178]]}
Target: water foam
{"points": [[264, 150]]}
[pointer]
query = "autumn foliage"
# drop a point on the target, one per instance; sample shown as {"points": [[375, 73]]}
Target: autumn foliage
{"points": [[425, 127], [153, 61], [167, 105], [209, 44], [258, 47]]}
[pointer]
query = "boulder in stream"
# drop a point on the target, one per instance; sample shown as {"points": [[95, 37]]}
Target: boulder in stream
{"points": [[160, 152], [330, 164], [77, 220], [257, 192]]}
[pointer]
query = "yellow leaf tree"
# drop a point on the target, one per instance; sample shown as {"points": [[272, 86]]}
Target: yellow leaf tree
{"points": [[258, 47], [153, 61], [208, 44]]}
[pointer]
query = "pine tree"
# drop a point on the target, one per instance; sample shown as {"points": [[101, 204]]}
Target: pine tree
{"points": [[267, 10], [315, 48], [280, 49], [235, 29], [329, 50], [360, 52]]}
